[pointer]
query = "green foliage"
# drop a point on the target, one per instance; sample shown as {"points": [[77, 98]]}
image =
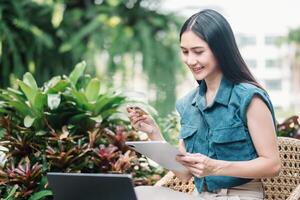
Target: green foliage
{"points": [[69, 125], [170, 127], [47, 37], [41, 194], [294, 35]]}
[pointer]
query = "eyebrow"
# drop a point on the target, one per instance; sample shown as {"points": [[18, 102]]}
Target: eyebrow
{"points": [[197, 47]]}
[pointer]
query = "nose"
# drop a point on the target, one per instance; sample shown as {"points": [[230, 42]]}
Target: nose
{"points": [[191, 60]]}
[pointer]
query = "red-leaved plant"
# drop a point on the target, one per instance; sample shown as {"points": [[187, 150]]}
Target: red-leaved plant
{"points": [[67, 125]]}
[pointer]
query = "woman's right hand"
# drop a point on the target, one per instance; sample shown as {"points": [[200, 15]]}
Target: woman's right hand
{"points": [[142, 121]]}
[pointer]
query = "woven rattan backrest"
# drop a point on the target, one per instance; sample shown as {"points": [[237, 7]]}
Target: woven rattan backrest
{"points": [[171, 181], [281, 186]]}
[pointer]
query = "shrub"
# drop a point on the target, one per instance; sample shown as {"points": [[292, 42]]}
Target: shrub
{"points": [[67, 125], [290, 127]]}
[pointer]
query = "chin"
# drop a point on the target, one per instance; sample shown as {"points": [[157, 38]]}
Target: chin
{"points": [[199, 78]]}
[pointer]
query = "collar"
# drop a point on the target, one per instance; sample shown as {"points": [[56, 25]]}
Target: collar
{"points": [[222, 97]]}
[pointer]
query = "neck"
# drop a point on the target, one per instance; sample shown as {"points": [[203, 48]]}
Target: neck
{"points": [[213, 83]]}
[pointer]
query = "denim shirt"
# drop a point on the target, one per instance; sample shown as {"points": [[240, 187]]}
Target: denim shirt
{"points": [[220, 130]]}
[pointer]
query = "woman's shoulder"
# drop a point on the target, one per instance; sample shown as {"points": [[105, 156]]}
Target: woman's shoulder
{"points": [[243, 94], [190, 95], [245, 87], [245, 90]]}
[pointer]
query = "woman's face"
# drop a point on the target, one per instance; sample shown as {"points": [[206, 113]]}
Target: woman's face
{"points": [[197, 55]]}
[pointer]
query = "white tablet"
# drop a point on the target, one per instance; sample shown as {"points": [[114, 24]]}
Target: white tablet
{"points": [[161, 152]]}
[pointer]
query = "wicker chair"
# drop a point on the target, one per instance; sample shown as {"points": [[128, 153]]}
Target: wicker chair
{"points": [[284, 186]]}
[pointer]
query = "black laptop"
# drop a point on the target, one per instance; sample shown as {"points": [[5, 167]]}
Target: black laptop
{"points": [[79, 186]]}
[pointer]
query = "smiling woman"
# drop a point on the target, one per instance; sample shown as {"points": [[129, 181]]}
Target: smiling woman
{"points": [[197, 55], [227, 123]]}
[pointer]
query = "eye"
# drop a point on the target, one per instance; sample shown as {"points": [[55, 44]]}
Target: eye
{"points": [[184, 52], [198, 52]]}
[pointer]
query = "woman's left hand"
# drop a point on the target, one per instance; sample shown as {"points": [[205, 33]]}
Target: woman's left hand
{"points": [[199, 165]]}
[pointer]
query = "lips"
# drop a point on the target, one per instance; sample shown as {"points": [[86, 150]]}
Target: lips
{"points": [[197, 69]]}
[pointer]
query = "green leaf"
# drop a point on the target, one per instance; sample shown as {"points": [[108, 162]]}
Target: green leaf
{"points": [[81, 99], [3, 110], [11, 193], [53, 101], [14, 91], [92, 90], [101, 103], [84, 31], [78, 118], [97, 119], [41, 133], [53, 81], [77, 72], [29, 92], [30, 81], [16, 94], [28, 121], [5, 96], [40, 194], [2, 132], [105, 102], [58, 87], [84, 81], [20, 107], [39, 101], [107, 113]]}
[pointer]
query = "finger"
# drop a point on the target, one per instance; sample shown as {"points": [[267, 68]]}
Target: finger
{"points": [[178, 159], [133, 117], [140, 111], [139, 124], [196, 172], [184, 163], [196, 166], [198, 155], [137, 119], [132, 114], [181, 147], [201, 158], [190, 159], [179, 156], [130, 109]]}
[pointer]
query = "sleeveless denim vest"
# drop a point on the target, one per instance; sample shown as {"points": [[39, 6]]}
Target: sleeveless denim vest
{"points": [[220, 130]]}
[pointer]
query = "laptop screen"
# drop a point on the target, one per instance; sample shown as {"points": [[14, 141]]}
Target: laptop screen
{"points": [[79, 186]]}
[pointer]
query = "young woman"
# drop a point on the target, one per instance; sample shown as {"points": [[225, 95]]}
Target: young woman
{"points": [[227, 122]]}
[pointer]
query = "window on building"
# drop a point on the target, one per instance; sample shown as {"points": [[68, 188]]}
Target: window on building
{"points": [[272, 40], [252, 63], [245, 40], [273, 63], [275, 84]]}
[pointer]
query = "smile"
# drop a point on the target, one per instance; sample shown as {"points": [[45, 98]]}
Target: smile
{"points": [[197, 69]]}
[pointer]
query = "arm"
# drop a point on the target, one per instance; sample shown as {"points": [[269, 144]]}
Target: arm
{"points": [[182, 176], [262, 132], [142, 121], [146, 124]]}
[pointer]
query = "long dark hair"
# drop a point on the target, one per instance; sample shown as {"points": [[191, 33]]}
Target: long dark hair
{"points": [[214, 29]]}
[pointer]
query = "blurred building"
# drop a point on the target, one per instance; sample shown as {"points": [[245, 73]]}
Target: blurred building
{"points": [[269, 63]]}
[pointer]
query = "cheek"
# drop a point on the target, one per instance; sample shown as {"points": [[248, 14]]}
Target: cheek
{"points": [[213, 62], [209, 60]]}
